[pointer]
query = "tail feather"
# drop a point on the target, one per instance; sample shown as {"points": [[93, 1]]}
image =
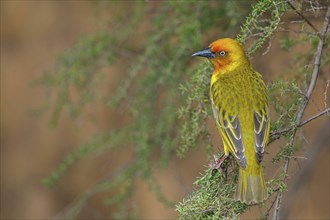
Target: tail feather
{"points": [[251, 189]]}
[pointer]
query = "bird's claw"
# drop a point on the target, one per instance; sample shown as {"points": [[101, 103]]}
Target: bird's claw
{"points": [[216, 165]]}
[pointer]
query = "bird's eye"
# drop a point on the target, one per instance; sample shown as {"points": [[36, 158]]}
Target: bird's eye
{"points": [[222, 53]]}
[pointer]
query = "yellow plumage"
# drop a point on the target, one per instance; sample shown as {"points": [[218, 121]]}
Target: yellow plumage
{"points": [[240, 107]]}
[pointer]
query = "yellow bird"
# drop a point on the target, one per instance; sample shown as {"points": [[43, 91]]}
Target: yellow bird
{"points": [[240, 107]]}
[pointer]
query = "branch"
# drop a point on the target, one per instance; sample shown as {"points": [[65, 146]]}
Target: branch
{"points": [[313, 156], [305, 19], [286, 130], [314, 117], [301, 110]]}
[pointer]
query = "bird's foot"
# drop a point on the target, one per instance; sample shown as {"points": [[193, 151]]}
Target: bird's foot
{"points": [[216, 165]]}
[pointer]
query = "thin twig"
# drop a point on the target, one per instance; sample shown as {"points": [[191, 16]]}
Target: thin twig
{"points": [[318, 8], [300, 112], [280, 29], [283, 131], [269, 209], [268, 47], [314, 117], [206, 211]]}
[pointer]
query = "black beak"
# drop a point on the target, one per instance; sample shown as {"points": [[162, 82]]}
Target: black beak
{"points": [[204, 53]]}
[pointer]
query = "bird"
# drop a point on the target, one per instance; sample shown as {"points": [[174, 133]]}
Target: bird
{"points": [[238, 97]]}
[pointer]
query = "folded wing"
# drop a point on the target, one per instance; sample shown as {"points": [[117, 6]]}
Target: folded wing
{"points": [[229, 127], [261, 132]]}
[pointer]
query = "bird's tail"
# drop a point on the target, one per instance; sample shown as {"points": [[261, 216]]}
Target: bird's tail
{"points": [[251, 189]]}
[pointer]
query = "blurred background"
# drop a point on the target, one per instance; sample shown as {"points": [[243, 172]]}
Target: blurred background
{"points": [[33, 34]]}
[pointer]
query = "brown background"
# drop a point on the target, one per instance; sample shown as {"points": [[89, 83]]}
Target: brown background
{"points": [[33, 33]]}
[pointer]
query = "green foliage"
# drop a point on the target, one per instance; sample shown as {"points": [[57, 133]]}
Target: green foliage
{"points": [[212, 198], [261, 23]]}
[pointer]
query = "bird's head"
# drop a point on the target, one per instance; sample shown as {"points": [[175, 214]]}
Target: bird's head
{"points": [[225, 55]]}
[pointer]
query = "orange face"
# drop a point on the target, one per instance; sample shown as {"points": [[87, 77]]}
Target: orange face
{"points": [[224, 54], [228, 54]]}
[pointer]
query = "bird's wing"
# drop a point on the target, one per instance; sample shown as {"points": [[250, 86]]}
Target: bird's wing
{"points": [[261, 131], [229, 127]]}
